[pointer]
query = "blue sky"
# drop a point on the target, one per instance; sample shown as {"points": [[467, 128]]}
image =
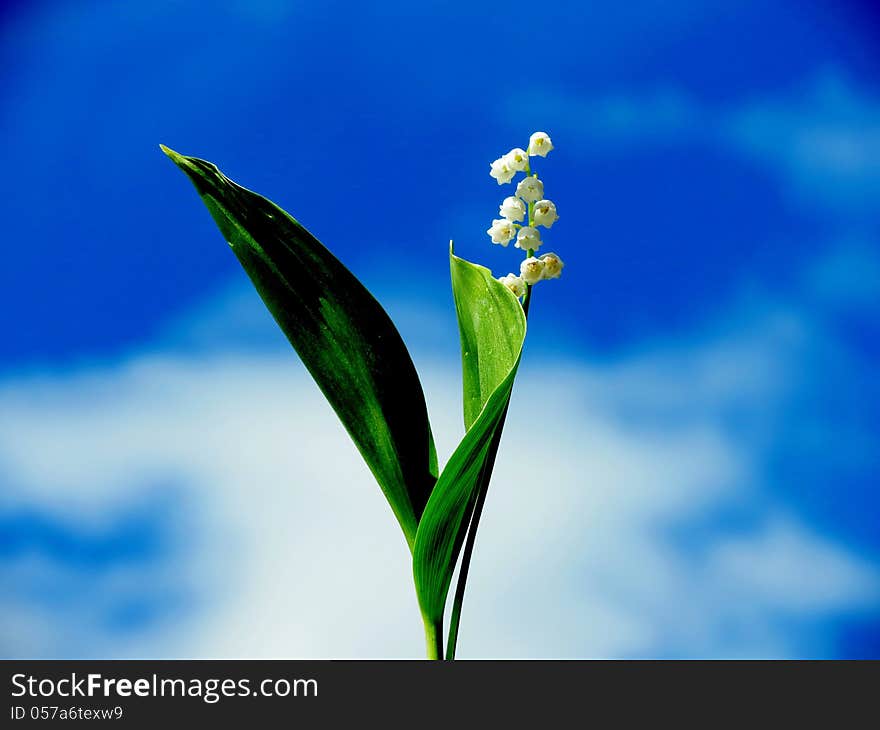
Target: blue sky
{"points": [[709, 351]]}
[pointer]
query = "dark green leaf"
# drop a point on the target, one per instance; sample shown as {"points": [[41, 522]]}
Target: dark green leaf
{"points": [[492, 326], [344, 337]]}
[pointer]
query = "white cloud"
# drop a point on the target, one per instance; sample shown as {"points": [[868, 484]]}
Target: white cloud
{"points": [[283, 544], [825, 142]]}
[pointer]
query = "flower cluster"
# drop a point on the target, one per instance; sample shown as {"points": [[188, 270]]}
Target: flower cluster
{"points": [[522, 214]]}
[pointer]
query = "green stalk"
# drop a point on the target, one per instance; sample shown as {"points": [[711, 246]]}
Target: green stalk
{"points": [[455, 618], [434, 638]]}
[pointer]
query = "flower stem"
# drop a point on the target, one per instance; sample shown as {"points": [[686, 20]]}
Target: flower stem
{"points": [[486, 471], [433, 638], [455, 618], [531, 221]]}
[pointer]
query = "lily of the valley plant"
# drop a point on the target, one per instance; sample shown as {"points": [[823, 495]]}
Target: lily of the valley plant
{"points": [[359, 361]]}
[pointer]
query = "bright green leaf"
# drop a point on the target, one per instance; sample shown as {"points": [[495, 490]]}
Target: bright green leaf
{"points": [[344, 337], [492, 326], [491, 331]]}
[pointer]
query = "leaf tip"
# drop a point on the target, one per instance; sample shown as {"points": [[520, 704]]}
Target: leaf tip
{"points": [[175, 157]]}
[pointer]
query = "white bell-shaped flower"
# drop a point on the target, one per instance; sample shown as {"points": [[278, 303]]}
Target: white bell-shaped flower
{"points": [[545, 213], [502, 231], [531, 270], [518, 159], [530, 189], [539, 144], [513, 209], [552, 265], [528, 238], [501, 170], [514, 283]]}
